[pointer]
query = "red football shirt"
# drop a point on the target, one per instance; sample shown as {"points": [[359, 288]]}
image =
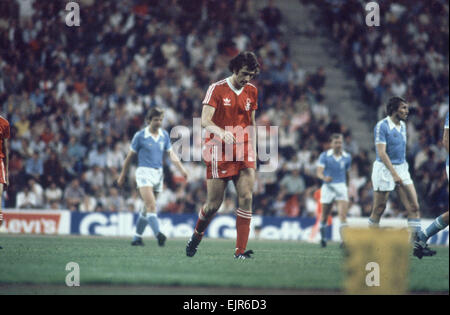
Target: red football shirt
{"points": [[233, 107], [4, 134]]}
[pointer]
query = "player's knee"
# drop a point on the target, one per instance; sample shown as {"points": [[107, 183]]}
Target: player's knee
{"points": [[150, 207], [246, 197], [445, 217], [212, 207]]}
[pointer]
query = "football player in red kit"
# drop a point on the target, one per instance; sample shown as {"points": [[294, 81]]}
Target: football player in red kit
{"points": [[228, 115], [4, 160]]}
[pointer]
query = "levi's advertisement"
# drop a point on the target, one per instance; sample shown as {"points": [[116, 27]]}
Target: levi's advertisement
{"points": [[36, 222]]}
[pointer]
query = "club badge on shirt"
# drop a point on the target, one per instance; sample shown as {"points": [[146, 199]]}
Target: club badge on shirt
{"points": [[248, 104]]}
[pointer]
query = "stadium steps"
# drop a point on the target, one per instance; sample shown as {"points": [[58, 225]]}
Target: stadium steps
{"points": [[311, 49]]}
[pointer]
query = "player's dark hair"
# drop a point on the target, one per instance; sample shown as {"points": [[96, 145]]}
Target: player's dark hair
{"points": [[246, 58], [393, 104], [154, 112], [336, 136]]}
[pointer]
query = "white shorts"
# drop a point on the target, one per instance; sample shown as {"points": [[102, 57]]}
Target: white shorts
{"points": [[382, 179], [333, 192], [150, 177]]}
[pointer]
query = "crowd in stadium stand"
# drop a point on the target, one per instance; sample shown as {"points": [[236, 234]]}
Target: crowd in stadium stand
{"points": [[76, 95], [406, 56]]}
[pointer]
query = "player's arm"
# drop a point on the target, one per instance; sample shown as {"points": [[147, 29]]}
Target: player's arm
{"points": [[381, 147], [207, 123], [347, 178], [5, 149], [320, 174], [176, 161], [126, 166]]}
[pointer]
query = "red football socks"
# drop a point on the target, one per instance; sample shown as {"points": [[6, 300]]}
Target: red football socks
{"points": [[243, 218], [202, 223]]}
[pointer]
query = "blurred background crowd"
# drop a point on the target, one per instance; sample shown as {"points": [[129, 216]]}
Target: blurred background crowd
{"points": [[75, 96]]}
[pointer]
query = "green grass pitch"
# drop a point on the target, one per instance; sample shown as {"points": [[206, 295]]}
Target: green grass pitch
{"points": [[38, 263]]}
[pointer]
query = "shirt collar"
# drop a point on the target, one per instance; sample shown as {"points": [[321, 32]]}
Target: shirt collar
{"points": [[148, 134], [392, 125], [233, 88], [330, 153]]}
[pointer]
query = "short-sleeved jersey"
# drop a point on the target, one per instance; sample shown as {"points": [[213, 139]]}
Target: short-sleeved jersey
{"points": [[446, 127], [394, 137], [150, 150], [233, 107], [335, 167], [4, 134]]}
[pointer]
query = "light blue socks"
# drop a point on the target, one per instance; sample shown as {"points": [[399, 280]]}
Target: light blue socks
{"points": [[437, 225]]}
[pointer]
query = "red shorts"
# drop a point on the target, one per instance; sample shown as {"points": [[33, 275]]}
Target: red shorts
{"points": [[223, 162], [2, 172]]}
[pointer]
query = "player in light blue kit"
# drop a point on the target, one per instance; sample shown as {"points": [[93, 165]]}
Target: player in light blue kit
{"points": [[332, 169], [149, 145], [441, 222], [390, 170]]}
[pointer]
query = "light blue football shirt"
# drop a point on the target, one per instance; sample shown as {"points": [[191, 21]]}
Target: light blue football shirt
{"points": [[150, 150], [446, 127], [395, 139], [335, 167]]}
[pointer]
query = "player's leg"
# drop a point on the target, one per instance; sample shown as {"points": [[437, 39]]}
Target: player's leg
{"points": [[342, 206], [149, 212], [244, 183], [326, 210], [408, 197], [215, 192], [383, 184], [438, 224], [215, 189], [380, 199]]}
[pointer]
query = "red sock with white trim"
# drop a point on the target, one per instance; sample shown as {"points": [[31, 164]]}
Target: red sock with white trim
{"points": [[202, 223], [243, 218]]}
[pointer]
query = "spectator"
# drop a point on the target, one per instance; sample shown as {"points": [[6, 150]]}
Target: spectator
{"points": [[53, 195], [97, 157], [74, 195], [38, 191], [293, 183], [134, 203], [271, 16], [115, 202], [26, 199], [88, 204], [53, 171], [95, 177], [34, 167]]}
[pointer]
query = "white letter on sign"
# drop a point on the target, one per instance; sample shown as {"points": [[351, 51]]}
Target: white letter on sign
{"points": [[373, 277], [73, 277], [373, 17], [73, 17]]}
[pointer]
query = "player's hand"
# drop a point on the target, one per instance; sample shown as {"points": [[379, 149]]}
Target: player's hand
{"points": [[185, 174], [228, 137], [397, 180], [327, 179]]}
